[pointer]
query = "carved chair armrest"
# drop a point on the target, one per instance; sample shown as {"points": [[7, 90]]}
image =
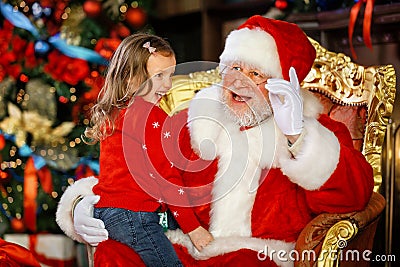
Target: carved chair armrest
{"points": [[321, 241]]}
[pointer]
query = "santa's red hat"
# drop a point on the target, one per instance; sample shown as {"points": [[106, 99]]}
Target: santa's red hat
{"points": [[272, 46]]}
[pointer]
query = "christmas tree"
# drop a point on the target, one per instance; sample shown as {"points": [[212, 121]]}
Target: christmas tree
{"points": [[53, 57]]}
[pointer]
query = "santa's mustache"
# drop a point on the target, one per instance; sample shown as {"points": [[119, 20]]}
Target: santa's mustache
{"points": [[258, 109], [247, 92]]}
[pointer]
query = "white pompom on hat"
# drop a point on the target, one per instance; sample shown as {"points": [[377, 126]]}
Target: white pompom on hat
{"points": [[272, 46]]}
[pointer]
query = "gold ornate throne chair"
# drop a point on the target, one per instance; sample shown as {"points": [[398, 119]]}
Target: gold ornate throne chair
{"points": [[362, 98]]}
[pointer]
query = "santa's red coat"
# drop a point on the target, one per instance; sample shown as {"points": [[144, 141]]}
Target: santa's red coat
{"points": [[326, 175]]}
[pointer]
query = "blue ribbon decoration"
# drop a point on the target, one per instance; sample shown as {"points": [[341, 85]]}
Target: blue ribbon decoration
{"points": [[76, 51], [38, 161], [19, 20], [9, 137], [24, 151]]}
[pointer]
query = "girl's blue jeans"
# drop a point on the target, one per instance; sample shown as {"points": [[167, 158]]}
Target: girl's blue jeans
{"points": [[142, 232]]}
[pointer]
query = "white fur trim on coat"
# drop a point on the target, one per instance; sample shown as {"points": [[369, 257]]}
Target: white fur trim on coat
{"points": [[278, 251], [319, 151], [312, 107], [82, 187], [241, 157], [204, 121], [317, 158], [255, 47]]}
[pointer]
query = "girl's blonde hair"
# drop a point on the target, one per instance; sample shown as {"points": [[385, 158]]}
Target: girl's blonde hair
{"points": [[126, 73]]}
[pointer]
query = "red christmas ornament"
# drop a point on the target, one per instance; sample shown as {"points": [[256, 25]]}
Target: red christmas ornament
{"points": [[281, 4], [4, 177], [2, 142], [17, 225], [119, 31], [122, 30], [23, 78], [63, 99], [136, 17], [92, 8]]}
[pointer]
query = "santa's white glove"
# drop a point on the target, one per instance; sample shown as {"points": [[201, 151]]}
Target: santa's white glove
{"points": [[91, 230], [286, 103]]}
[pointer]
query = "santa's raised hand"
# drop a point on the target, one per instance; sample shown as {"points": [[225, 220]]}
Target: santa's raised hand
{"points": [[287, 105]]}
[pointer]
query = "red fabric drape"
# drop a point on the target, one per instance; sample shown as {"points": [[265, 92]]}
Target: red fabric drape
{"points": [[13, 255]]}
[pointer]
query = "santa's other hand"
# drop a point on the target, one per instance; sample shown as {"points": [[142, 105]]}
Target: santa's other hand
{"points": [[91, 230]]}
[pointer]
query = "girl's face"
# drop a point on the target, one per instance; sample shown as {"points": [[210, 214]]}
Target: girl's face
{"points": [[161, 70]]}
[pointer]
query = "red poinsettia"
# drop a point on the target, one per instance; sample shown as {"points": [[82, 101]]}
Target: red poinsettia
{"points": [[13, 70], [10, 43], [8, 57], [18, 47], [6, 33], [31, 61], [9, 65], [63, 68]]}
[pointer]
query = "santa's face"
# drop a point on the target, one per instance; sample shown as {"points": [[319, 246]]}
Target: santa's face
{"points": [[244, 94]]}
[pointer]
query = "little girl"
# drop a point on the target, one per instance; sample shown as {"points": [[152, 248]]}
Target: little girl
{"points": [[135, 174]]}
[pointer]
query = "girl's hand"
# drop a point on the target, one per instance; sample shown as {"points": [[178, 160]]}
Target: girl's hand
{"points": [[200, 237]]}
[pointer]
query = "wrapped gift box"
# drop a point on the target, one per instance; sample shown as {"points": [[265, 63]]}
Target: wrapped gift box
{"points": [[53, 250]]}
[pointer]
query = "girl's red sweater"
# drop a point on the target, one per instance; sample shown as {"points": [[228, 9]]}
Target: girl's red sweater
{"points": [[140, 169]]}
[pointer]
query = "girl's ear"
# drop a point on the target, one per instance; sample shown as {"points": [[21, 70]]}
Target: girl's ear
{"points": [[132, 83], [135, 87]]}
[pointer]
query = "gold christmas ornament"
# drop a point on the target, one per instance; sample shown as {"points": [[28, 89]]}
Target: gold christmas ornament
{"points": [[20, 123]]}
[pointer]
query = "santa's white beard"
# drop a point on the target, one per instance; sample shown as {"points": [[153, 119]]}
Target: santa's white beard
{"points": [[254, 115]]}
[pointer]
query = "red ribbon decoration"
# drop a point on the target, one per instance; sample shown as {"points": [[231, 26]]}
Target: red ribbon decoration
{"points": [[31, 176], [30, 193], [46, 181], [366, 23], [2, 142]]}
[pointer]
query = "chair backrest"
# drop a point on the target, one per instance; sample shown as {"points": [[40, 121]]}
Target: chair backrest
{"points": [[360, 97]]}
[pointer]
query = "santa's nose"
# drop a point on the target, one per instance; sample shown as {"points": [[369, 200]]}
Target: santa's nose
{"points": [[240, 81]]}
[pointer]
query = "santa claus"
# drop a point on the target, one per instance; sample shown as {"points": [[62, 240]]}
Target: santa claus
{"points": [[273, 161]]}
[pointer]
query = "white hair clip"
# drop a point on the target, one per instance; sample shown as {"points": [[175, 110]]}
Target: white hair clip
{"points": [[150, 48]]}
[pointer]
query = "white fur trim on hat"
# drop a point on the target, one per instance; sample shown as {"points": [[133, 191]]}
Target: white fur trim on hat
{"points": [[254, 47]]}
